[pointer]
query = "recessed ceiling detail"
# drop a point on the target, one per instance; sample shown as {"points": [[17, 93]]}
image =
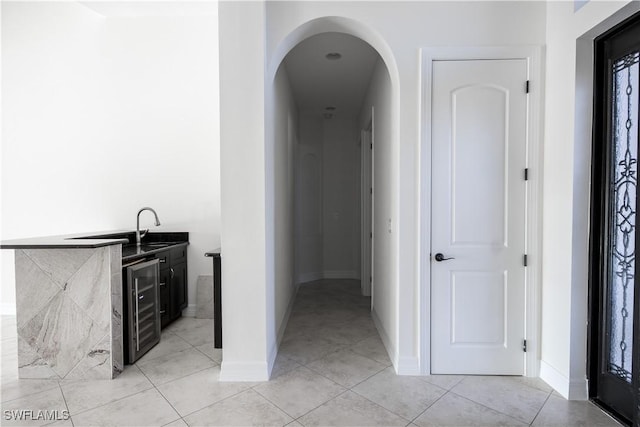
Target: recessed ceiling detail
{"points": [[333, 56]]}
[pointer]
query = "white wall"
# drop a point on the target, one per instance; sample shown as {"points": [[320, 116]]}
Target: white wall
{"points": [[328, 198], [341, 198], [308, 200], [104, 115], [284, 120], [567, 147], [247, 190], [422, 24], [384, 297]]}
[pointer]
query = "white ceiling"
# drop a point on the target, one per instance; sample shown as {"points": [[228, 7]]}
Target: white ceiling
{"points": [[113, 8], [317, 82]]}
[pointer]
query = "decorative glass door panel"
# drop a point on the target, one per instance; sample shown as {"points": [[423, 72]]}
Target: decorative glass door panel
{"points": [[614, 292], [624, 181]]}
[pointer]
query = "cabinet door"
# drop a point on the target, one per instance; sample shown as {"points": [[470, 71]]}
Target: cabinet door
{"points": [[179, 288], [165, 297]]}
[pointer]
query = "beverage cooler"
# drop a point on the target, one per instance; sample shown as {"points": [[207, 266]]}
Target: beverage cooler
{"points": [[141, 306]]}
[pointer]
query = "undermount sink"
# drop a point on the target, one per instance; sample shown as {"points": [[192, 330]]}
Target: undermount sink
{"points": [[158, 244], [131, 249], [149, 246]]}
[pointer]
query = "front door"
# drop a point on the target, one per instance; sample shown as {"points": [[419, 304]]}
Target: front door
{"points": [[614, 377], [479, 123]]}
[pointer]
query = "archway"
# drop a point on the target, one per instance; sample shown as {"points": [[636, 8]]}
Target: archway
{"points": [[281, 138]]}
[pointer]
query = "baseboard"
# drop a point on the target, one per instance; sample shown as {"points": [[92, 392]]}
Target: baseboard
{"points": [[554, 378], [271, 361], [7, 309], [339, 274], [408, 366], [402, 365], [569, 389], [285, 319], [385, 340], [244, 371], [309, 277], [330, 274], [190, 311], [579, 389]]}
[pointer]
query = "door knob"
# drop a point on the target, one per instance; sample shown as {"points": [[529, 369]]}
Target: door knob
{"points": [[439, 257]]}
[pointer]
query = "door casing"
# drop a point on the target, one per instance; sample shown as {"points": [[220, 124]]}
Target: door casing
{"points": [[533, 55], [366, 209]]}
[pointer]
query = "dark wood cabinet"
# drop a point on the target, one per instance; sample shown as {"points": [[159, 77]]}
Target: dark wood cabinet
{"points": [[179, 282], [173, 283], [165, 297]]}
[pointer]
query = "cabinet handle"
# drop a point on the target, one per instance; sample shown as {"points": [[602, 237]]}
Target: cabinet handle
{"points": [[137, 319], [162, 260], [162, 284], [172, 272], [162, 312]]}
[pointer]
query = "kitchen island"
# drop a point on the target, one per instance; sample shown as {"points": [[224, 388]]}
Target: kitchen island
{"points": [[69, 308]]}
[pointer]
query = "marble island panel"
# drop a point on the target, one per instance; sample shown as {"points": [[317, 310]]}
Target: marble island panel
{"points": [[69, 312]]}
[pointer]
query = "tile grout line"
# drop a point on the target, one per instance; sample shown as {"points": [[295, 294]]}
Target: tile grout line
{"points": [[35, 392], [200, 409], [427, 408], [379, 405], [283, 411], [206, 355], [115, 400], [341, 349], [153, 385], [160, 393], [313, 409], [540, 410], [322, 404], [182, 376], [488, 407], [499, 411], [65, 403], [347, 347], [215, 403]]}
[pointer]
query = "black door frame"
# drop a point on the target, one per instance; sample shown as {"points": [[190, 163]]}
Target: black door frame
{"points": [[599, 232]]}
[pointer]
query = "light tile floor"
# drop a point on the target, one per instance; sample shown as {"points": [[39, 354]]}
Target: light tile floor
{"points": [[332, 370]]}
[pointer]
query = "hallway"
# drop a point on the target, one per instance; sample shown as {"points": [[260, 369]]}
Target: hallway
{"points": [[331, 370]]}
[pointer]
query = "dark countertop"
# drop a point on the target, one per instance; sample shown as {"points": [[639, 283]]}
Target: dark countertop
{"points": [[67, 241], [96, 240], [213, 253]]}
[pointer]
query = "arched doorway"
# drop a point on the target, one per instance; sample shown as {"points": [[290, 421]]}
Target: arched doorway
{"points": [[317, 157]]}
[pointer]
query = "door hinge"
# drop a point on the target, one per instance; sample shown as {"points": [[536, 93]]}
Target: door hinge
{"points": [[370, 190], [371, 234], [370, 279], [525, 260], [526, 174], [524, 345], [371, 146], [526, 87]]}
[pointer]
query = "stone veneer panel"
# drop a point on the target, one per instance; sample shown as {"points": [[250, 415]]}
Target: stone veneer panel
{"points": [[69, 312], [204, 297], [117, 351]]}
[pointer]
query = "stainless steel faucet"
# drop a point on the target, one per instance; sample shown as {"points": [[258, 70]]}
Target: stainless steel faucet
{"points": [[138, 236]]}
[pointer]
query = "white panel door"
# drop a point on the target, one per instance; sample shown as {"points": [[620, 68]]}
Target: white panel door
{"points": [[479, 123]]}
